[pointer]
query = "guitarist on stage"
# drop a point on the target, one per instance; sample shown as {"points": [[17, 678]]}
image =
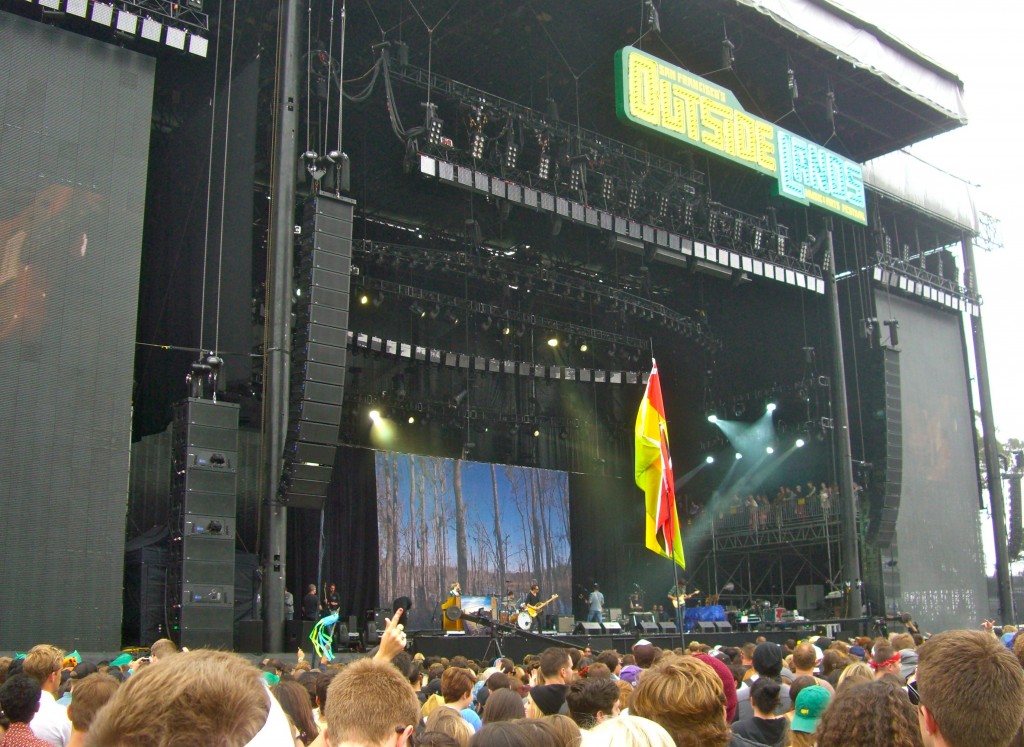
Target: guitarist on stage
{"points": [[678, 596], [533, 599]]}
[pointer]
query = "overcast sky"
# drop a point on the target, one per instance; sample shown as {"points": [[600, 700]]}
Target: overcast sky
{"points": [[971, 41]]}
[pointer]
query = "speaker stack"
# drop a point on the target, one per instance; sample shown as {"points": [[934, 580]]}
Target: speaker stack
{"points": [[201, 580], [319, 350], [884, 509]]}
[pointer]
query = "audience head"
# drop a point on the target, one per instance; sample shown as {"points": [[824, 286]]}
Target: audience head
{"points": [[370, 703], [90, 694], [449, 721], [971, 690], [162, 648], [44, 663], [855, 673], [685, 696], [592, 700], [869, 714], [294, 700], [728, 683], [810, 703], [202, 697], [765, 696], [456, 684], [767, 659], [628, 731], [503, 705], [19, 698], [556, 665]]}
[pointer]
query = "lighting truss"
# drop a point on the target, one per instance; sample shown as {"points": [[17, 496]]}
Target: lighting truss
{"points": [[183, 23], [898, 274]]}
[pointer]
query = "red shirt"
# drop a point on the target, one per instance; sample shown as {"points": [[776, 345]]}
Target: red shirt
{"points": [[20, 735]]}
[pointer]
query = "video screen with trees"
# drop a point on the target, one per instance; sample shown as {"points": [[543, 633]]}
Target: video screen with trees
{"points": [[496, 529]]}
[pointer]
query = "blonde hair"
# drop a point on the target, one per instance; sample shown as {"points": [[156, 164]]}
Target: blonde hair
{"points": [[200, 697], [368, 700], [859, 671], [90, 694], [41, 661], [685, 696], [628, 731], [449, 721]]}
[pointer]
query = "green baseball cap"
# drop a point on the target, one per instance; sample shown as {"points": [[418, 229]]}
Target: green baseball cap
{"points": [[811, 702]]}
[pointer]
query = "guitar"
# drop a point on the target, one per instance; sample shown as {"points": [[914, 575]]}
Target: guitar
{"points": [[533, 609], [676, 601]]}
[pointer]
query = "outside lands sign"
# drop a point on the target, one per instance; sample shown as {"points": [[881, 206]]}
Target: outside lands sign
{"points": [[663, 97]]}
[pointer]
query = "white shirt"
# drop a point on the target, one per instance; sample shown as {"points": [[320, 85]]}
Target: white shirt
{"points": [[51, 723]]}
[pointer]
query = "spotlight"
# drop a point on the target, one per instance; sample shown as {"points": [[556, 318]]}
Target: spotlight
{"points": [[511, 153], [412, 419], [364, 299], [770, 407], [770, 450], [583, 347], [800, 443], [375, 416], [739, 455], [506, 330], [553, 342], [477, 147], [712, 418], [709, 459], [536, 433], [545, 165]]}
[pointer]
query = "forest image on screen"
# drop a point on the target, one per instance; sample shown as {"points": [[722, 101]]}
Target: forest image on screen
{"points": [[495, 528]]}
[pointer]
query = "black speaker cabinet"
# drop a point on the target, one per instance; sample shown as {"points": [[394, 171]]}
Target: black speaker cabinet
{"points": [[250, 637], [668, 627], [706, 626], [648, 627], [566, 623], [722, 626], [612, 628], [588, 628]]}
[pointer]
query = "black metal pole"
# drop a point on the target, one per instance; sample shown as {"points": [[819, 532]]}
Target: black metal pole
{"points": [[848, 502], [277, 358], [990, 446]]}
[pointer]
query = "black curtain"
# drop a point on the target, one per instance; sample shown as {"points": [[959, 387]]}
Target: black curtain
{"points": [[351, 551]]}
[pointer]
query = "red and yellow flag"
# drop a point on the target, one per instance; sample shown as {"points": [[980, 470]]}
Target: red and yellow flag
{"points": [[654, 474]]}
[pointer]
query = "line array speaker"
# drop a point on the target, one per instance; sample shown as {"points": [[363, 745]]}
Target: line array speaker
{"points": [[886, 507], [201, 578], [319, 350]]}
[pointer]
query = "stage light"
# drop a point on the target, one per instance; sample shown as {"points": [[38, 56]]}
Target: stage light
{"points": [[103, 14], [536, 433], [506, 330], [712, 418], [553, 342], [152, 30], [511, 153], [583, 347], [770, 450], [412, 419], [364, 299], [174, 38], [375, 416], [770, 407], [544, 167], [127, 23], [477, 145], [739, 455], [709, 459], [800, 443], [79, 8], [198, 45], [51, 4]]}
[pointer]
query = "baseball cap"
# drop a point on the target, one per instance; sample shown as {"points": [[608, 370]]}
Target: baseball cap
{"points": [[810, 704]]}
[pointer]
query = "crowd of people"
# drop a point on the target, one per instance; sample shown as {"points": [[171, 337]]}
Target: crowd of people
{"points": [[763, 510], [958, 689]]}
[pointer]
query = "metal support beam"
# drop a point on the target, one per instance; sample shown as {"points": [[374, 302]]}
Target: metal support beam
{"points": [[278, 345]]}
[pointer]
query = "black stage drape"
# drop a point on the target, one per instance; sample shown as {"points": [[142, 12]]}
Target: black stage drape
{"points": [[351, 554]]}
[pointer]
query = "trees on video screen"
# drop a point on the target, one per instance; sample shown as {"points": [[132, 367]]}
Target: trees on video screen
{"points": [[493, 528]]}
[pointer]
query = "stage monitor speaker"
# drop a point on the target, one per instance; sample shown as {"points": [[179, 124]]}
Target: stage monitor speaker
{"points": [[668, 627], [588, 628], [566, 623], [250, 637], [721, 626], [649, 628], [706, 626], [319, 350], [371, 636], [612, 628]]}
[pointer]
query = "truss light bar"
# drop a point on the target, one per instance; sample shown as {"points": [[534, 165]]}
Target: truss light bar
{"points": [[198, 45], [102, 14], [78, 8], [152, 30], [127, 23], [175, 38]]}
